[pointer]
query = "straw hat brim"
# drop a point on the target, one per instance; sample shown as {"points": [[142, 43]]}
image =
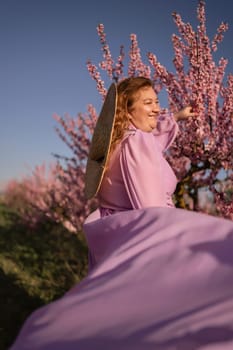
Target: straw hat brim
{"points": [[100, 144]]}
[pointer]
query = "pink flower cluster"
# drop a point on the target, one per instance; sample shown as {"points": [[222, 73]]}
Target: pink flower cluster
{"points": [[76, 133], [57, 192], [136, 66], [37, 196]]}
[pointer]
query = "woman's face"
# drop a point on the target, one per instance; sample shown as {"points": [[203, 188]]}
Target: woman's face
{"points": [[145, 110]]}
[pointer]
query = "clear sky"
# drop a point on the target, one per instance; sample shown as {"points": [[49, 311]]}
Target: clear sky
{"points": [[44, 48]]}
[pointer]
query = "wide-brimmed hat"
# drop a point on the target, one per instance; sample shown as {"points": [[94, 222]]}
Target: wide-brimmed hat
{"points": [[100, 144]]}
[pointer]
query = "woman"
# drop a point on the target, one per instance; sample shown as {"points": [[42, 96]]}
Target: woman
{"points": [[160, 277]]}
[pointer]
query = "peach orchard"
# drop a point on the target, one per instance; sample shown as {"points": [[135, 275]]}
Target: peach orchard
{"points": [[201, 155]]}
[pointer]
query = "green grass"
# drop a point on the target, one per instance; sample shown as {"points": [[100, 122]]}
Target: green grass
{"points": [[36, 267]]}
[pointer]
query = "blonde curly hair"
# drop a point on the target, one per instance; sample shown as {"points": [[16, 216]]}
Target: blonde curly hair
{"points": [[127, 90]]}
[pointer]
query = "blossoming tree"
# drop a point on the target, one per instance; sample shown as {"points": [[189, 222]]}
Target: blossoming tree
{"points": [[202, 153]]}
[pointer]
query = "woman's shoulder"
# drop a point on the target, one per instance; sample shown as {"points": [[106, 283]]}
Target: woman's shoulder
{"points": [[137, 139]]}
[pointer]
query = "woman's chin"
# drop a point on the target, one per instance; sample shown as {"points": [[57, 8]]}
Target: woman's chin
{"points": [[153, 125]]}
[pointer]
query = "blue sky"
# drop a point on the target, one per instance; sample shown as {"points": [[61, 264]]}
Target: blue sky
{"points": [[44, 48]]}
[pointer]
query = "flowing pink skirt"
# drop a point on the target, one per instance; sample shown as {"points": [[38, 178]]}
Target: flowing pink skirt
{"points": [[160, 278]]}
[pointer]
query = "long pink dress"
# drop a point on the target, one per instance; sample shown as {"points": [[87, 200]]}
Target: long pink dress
{"points": [[160, 277]]}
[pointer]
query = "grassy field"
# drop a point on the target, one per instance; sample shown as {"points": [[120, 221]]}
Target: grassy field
{"points": [[36, 267]]}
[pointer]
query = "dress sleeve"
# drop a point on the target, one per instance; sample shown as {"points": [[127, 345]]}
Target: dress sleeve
{"points": [[166, 131], [141, 170]]}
